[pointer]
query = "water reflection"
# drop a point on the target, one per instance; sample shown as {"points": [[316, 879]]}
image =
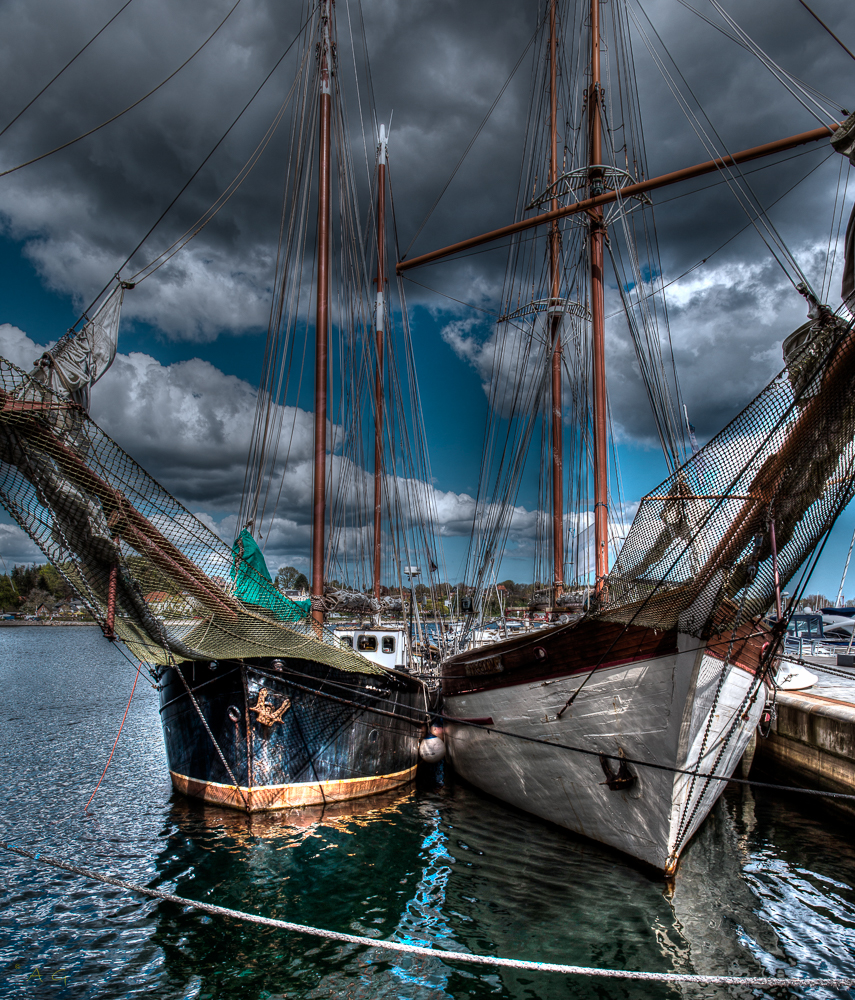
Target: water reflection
{"points": [[356, 867], [716, 911], [766, 886], [205, 821]]}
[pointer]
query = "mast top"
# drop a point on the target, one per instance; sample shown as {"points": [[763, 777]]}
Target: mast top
{"points": [[326, 46], [381, 150]]}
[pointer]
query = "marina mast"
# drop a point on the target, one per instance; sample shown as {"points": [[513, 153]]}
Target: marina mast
{"points": [[379, 323], [555, 313], [596, 237], [322, 319]]}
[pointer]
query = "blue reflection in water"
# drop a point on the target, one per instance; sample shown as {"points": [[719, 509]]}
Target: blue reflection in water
{"points": [[767, 886], [424, 921]]}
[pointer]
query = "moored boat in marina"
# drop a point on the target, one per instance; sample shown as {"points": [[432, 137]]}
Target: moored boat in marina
{"points": [[263, 704], [516, 730], [625, 723]]}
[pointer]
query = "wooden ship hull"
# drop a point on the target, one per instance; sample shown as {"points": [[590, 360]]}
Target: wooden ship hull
{"points": [[647, 699], [287, 745]]}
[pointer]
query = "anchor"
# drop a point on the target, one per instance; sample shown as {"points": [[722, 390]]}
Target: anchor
{"points": [[618, 780], [267, 714]]}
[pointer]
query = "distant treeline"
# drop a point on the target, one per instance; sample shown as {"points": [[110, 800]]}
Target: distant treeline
{"points": [[28, 587]]}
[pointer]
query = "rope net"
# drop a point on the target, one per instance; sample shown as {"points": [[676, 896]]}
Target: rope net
{"points": [[149, 572], [774, 479]]}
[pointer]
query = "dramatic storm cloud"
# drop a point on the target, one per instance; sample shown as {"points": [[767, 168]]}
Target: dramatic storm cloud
{"points": [[190, 426], [438, 65]]}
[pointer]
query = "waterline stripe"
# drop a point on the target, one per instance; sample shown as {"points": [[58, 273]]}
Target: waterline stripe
{"points": [[455, 956]]}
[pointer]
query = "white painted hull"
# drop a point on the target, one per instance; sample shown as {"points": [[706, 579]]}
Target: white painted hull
{"points": [[655, 709]]}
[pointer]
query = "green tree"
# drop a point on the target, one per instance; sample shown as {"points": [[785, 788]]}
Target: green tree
{"points": [[51, 580], [285, 577], [25, 577], [300, 582], [10, 600]]}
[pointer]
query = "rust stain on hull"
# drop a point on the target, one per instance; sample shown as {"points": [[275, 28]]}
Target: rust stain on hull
{"points": [[294, 796]]}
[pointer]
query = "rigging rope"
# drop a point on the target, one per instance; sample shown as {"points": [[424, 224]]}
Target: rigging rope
{"points": [[813, 13], [733, 175], [739, 232], [425, 952], [469, 305], [130, 107], [474, 138], [584, 751], [192, 177], [742, 44], [777, 71], [56, 76], [178, 669], [239, 178], [116, 741]]}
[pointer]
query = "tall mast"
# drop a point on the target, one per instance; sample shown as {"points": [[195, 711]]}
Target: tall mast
{"points": [[322, 320], [598, 325], [378, 333], [555, 315]]}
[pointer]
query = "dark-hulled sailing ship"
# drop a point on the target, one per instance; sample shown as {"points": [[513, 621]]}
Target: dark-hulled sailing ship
{"points": [[263, 705]]}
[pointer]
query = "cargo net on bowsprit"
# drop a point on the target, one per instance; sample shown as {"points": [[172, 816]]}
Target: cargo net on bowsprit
{"points": [[147, 569], [699, 555]]}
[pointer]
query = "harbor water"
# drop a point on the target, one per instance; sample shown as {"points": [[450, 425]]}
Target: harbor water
{"points": [[767, 887]]}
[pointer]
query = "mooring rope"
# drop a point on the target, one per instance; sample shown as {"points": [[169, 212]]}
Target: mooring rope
{"points": [[553, 745], [409, 949], [116, 741]]}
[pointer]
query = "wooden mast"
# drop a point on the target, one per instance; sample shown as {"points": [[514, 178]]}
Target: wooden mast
{"points": [[596, 237], [322, 321], [555, 315], [379, 324]]}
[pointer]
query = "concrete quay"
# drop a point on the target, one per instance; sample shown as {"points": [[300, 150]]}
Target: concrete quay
{"points": [[811, 742]]}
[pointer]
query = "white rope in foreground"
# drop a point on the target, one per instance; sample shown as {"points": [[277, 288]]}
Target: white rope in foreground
{"points": [[409, 949]]}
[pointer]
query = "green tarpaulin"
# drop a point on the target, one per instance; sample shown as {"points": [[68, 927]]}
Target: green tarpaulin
{"points": [[254, 586]]}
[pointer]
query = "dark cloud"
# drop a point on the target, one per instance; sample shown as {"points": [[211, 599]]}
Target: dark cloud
{"points": [[438, 66], [16, 547]]}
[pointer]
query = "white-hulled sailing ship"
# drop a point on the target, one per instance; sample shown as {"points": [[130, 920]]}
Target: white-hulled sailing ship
{"points": [[263, 704], [621, 724]]}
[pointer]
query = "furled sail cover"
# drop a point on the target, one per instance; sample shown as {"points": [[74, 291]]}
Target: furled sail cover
{"points": [[104, 522], [80, 359], [700, 545], [350, 602]]}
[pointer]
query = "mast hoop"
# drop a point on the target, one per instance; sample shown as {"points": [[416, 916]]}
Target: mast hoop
{"points": [[574, 184], [550, 306]]}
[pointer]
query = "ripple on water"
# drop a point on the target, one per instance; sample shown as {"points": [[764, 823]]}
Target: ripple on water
{"points": [[765, 887]]}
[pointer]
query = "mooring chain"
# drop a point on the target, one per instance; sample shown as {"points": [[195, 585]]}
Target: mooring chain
{"points": [[686, 820]]}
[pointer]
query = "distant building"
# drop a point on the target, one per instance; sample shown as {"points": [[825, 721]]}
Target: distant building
{"points": [[161, 602]]}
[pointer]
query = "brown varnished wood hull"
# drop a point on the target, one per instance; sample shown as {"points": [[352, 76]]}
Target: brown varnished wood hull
{"points": [[583, 646]]}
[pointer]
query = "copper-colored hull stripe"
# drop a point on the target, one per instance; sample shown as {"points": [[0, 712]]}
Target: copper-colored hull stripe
{"points": [[309, 793]]}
